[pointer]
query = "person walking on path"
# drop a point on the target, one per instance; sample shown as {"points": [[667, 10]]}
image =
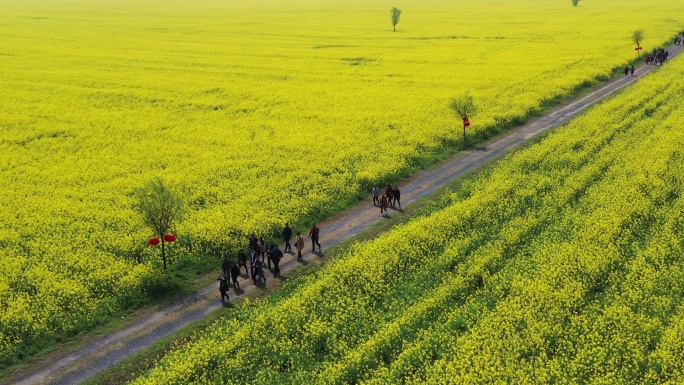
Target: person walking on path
{"points": [[262, 249], [397, 196], [287, 235], [631, 70], [389, 194], [299, 245], [235, 273], [225, 265], [255, 258], [223, 286], [313, 234], [383, 205], [376, 193], [276, 256], [258, 271], [626, 71], [242, 260], [269, 248]]}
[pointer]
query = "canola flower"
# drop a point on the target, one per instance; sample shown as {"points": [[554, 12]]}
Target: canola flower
{"points": [[260, 112], [561, 263]]}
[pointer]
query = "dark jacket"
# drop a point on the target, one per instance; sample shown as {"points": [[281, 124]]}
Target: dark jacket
{"points": [[234, 271], [276, 256], [258, 267], [287, 233], [383, 201], [313, 233], [223, 284]]}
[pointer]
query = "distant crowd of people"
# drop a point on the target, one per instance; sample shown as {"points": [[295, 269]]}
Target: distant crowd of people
{"points": [[679, 40], [261, 254], [658, 56]]}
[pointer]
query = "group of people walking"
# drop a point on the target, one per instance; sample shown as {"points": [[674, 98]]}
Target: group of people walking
{"points": [[262, 254], [658, 56], [391, 198]]}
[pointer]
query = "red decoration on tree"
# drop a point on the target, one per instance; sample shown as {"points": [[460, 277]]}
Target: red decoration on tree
{"points": [[466, 123], [169, 238], [638, 48], [154, 241]]}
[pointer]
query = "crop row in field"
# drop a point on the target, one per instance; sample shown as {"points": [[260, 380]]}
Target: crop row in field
{"points": [[259, 112], [562, 263]]}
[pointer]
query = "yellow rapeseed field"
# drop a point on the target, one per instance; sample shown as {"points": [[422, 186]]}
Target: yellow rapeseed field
{"points": [[260, 111], [560, 264]]}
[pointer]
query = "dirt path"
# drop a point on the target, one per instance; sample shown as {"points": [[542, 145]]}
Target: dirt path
{"points": [[84, 363]]}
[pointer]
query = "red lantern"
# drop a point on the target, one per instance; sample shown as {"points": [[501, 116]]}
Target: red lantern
{"points": [[154, 241], [466, 123], [638, 48], [169, 238]]}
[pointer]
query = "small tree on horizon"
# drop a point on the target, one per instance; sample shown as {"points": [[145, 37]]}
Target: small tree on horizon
{"points": [[160, 209], [637, 38], [464, 107], [396, 14], [575, 2]]}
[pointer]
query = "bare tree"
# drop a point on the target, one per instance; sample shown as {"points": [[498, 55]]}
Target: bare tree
{"points": [[160, 208], [464, 107], [637, 38], [396, 14]]}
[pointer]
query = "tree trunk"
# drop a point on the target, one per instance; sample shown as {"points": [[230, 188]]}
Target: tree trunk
{"points": [[395, 27], [464, 134], [163, 253]]}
